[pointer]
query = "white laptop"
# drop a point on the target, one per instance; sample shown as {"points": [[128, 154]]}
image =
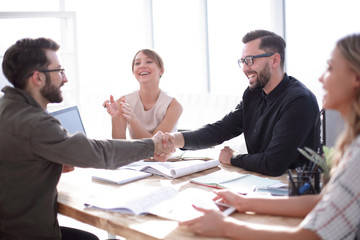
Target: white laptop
{"points": [[70, 119]]}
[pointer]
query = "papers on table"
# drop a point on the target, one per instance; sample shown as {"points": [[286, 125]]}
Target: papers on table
{"points": [[203, 154], [118, 176], [182, 163], [172, 169], [164, 202]]}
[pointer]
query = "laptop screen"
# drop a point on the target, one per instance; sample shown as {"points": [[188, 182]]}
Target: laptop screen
{"points": [[70, 119]]}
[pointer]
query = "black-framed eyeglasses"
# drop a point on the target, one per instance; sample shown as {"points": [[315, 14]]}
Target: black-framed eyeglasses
{"points": [[249, 60], [60, 70]]}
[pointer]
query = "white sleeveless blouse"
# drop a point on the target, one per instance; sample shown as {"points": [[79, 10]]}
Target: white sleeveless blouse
{"points": [[150, 119]]}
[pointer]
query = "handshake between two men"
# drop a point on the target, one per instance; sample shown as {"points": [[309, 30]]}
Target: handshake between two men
{"points": [[165, 144], [170, 141]]}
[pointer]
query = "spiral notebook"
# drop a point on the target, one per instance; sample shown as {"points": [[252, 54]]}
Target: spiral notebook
{"points": [[242, 183]]}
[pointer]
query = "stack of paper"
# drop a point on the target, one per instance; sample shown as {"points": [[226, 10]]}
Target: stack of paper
{"points": [[118, 176], [203, 154], [172, 169]]}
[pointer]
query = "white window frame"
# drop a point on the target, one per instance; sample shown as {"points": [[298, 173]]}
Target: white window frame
{"points": [[66, 17]]}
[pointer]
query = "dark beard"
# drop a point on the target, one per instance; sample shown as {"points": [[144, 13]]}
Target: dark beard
{"points": [[263, 79], [51, 92]]}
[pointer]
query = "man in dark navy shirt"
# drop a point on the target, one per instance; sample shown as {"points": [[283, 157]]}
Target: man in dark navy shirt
{"points": [[277, 113]]}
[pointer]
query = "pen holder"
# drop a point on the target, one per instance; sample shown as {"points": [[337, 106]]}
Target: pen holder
{"points": [[305, 182], [311, 173]]}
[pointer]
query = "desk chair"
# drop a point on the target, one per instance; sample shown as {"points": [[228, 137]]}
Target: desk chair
{"points": [[333, 124]]}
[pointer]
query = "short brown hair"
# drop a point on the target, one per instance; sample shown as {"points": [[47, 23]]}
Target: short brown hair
{"points": [[24, 57], [270, 42]]}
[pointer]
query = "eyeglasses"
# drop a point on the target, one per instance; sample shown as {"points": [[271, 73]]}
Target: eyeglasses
{"points": [[60, 70], [249, 60]]}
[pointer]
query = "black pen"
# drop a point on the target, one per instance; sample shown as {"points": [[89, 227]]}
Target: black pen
{"points": [[107, 103], [302, 172], [292, 181]]}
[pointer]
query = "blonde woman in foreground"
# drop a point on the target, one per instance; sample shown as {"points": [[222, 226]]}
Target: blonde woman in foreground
{"points": [[333, 214]]}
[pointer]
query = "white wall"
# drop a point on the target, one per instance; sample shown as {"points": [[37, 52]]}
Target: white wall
{"points": [[312, 28], [199, 41]]}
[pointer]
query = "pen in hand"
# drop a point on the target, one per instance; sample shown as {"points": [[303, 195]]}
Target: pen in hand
{"points": [[108, 102]]}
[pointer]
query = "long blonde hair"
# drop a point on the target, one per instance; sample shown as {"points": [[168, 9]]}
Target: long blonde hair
{"points": [[349, 47]]}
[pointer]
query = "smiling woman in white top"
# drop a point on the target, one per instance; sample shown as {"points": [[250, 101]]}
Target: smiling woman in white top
{"points": [[149, 109]]}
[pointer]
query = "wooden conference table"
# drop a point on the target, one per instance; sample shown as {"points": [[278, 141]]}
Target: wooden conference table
{"points": [[77, 187]]}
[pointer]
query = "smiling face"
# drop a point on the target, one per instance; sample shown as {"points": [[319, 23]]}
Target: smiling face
{"points": [[341, 84], [260, 72], [146, 69]]}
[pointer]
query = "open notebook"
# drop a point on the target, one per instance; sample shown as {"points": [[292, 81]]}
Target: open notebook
{"points": [[70, 119], [242, 183]]}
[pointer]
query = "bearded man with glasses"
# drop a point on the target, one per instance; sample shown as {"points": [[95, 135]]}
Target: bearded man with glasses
{"points": [[277, 113], [35, 149]]}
